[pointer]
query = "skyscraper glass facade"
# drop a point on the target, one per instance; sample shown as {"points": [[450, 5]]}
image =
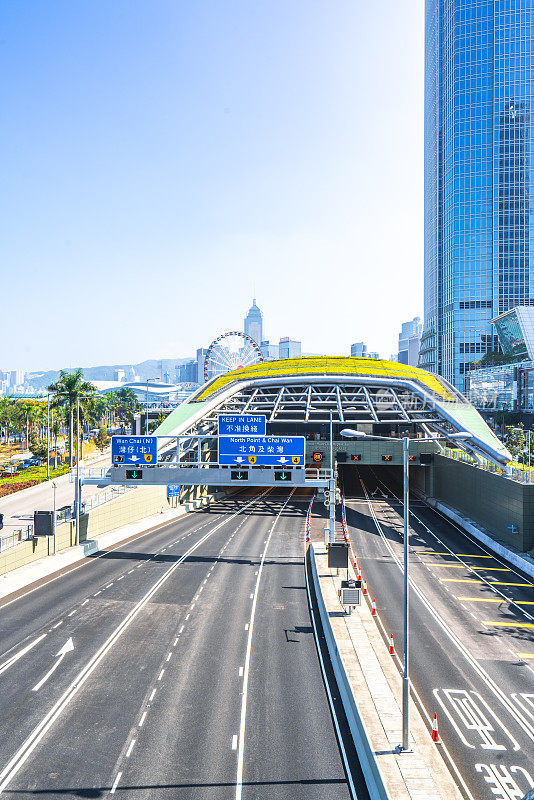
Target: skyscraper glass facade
{"points": [[254, 323], [479, 242]]}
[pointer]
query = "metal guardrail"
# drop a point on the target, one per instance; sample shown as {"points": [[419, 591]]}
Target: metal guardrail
{"points": [[104, 497], [513, 473], [17, 536]]}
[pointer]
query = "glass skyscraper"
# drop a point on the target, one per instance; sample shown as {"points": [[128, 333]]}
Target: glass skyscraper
{"points": [[479, 223], [254, 323]]}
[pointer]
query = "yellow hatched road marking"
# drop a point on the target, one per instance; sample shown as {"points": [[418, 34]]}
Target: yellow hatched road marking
{"points": [[458, 555], [525, 655], [463, 566], [484, 599], [509, 624]]}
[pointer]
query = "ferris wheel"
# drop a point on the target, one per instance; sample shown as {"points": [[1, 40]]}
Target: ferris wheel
{"points": [[230, 351]]}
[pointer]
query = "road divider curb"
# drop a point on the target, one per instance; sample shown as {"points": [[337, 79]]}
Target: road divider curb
{"points": [[370, 689], [373, 776]]}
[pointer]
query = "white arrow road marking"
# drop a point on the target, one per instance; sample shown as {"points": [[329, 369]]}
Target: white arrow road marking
{"points": [[31, 742], [13, 659], [67, 647]]}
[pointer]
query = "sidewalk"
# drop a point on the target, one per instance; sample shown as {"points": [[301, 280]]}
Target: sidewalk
{"points": [[370, 672]]}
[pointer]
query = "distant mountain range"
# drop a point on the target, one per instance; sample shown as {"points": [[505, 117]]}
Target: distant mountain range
{"points": [[153, 368]]}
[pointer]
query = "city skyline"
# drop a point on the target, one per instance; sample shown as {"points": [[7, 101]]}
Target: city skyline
{"points": [[206, 149]]}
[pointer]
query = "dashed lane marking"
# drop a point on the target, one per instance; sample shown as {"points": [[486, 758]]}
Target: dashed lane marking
{"points": [[234, 742], [115, 783], [152, 695], [160, 676], [57, 624], [130, 748], [85, 602], [142, 720]]}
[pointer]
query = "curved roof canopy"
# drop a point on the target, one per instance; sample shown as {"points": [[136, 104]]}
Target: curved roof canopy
{"points": [[356, 390]]}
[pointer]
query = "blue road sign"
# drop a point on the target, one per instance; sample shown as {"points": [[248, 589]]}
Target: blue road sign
{"points": [[134, 450], [272, 451], [173, 490], [242, 424]]}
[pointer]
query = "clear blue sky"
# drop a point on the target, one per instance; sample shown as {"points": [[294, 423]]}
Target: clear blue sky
{"points": [[162, 157]]}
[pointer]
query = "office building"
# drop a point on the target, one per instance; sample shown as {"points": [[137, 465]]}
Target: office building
{"points": [[358, 350], [201, 357], [254, 323], [478, 177], [289, 348], [270, 352], [409, 341]]}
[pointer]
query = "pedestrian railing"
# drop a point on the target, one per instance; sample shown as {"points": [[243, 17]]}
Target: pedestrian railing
{"points": [[513, 473], [15, 537]]}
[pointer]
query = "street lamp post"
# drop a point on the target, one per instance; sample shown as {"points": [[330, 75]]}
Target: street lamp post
{"points": [[332, 487], [349, 433], [48, 436], [54, 486]]}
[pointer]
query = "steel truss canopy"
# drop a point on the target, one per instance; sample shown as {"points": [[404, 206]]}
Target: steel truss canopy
{"points": [[353, 390]]}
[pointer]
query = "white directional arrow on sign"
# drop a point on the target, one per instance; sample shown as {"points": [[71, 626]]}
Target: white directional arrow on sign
{"points": [[134, 458], [239, 459], [282, 460], [67, 647]]}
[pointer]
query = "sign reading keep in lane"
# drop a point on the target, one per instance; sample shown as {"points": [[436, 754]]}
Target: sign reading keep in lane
{"points": [[242, 424], [270, 451], [134, 450]]}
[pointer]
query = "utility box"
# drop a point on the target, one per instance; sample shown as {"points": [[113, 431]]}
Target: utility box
{"points": [[43, 523], [350, 594], [338, 555]]}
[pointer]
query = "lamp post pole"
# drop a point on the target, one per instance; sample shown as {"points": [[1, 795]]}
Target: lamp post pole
{"points": [[406, 676], [77, 492], [146, 416], [54, 517], [332, 487], [48, 436]]}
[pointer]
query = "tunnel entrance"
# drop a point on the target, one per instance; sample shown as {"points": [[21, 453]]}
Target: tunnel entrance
{"points": [[379, 480]]}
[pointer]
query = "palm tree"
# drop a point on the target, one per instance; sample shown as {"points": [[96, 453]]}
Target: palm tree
{"points": [[67, 389]]}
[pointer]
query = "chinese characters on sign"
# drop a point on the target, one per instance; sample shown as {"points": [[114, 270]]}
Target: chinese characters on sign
{"points": [[245, 424], [134, 450], [262, 450]]}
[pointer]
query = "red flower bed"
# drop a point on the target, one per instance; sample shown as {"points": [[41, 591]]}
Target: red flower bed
{"points": [[11, 488]]}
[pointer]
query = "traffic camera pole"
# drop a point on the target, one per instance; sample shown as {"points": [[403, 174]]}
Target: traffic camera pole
{"points": [[332, 487]]}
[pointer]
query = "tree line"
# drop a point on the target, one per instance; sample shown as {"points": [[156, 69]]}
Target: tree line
{"points": [[28, 418]]}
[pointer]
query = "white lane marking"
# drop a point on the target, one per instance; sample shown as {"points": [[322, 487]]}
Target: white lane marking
{"points": [[251, 595], [490, 683], [97, 593], [475, 715], [13, 659], [31, 742], [168, 656], [142, 720], [85, 602], [192, 606], [120, 579], [187, 617], [160, 676], [152, 695], [86, 563], [181, 630], [240, 672], [130, 748], [109, 584], [115, 783], [72, 613], [129, 573], [243, 718], [246, 626], [57, 624], [175, 642], [234, 742], [67, 648]]}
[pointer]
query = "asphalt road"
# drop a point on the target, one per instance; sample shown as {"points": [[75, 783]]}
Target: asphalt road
{"points": [[193, 673], [18, 508], [471, 634]]}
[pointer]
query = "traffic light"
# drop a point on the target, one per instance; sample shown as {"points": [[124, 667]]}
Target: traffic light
{"points": [[356, 456], [412, 458], [239, 475], [134, 474], [387, 458]]}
